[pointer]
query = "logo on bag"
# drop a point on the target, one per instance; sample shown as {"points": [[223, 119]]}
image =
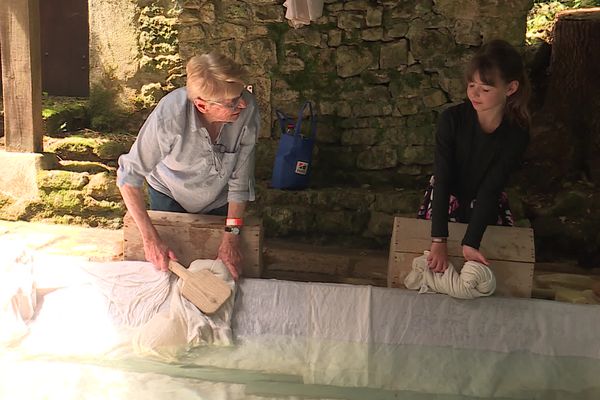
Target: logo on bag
{"points": [[301, 167]]}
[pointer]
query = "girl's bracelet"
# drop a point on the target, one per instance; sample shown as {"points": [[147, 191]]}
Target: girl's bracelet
{"points": [[439, 240]]}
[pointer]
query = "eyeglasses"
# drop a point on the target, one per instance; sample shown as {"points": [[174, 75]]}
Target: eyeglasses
{"points": [[231, 106]]}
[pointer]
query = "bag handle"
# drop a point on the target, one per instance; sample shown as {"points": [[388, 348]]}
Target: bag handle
{"points": [[283, 121], [313, 120]]}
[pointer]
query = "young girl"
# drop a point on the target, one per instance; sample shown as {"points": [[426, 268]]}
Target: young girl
{"points": [[478, 144]]}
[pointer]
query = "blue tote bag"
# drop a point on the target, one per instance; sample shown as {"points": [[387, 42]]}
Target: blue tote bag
{"points": [[293, 161]]}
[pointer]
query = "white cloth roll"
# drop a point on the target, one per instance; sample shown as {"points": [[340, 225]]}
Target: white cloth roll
{"points": [[474, 280]]}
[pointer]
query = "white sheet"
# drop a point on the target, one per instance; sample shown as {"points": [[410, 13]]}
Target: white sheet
{"points": [[392, 339]]}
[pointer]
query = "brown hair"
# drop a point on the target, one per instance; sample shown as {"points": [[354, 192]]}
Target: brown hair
{"points": [[499, 59], [213, 76]]}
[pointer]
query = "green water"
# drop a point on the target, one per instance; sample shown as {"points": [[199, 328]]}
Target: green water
{"points": [[283, 367]]}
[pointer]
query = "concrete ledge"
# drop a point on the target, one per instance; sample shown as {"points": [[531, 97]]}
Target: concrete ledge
{"points": [[18, 173]]}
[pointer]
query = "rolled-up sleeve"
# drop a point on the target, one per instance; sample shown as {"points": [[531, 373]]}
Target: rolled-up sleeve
{"points": [[150, 147], [241, 183]]}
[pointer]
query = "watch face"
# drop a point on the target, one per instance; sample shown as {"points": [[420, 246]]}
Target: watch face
{"points": [[233, 229]]}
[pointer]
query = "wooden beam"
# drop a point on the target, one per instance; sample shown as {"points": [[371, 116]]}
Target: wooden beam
{"points": [[21, 75]]}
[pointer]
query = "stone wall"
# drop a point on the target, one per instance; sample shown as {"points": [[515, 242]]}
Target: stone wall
{"points": [[378, 71], [134, 49]]}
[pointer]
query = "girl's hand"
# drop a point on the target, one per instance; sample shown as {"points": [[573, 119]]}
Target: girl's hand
{"points": [[472, 254], [438, 257]]}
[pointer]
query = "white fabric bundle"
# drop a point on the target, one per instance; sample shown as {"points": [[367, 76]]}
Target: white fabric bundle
{"points": [[301, 12], [474, 280], [108, 309], [183, 326]]}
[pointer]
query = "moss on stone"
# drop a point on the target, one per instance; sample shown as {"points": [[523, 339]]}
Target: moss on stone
{"points": [[61, 180], [90, 167], [111, 150], [64, 114], [64, 201]]}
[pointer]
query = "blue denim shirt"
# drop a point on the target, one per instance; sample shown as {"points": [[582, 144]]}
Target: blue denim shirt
{"points": [[174, 153]]}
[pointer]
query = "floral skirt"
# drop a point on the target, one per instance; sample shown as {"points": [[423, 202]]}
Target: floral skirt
{"points": [[505, 217]]}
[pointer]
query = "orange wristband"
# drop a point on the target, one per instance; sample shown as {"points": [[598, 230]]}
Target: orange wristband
{"points": [[234, 222]]}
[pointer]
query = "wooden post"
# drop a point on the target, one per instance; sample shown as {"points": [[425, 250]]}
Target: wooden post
{"points": [[21, 75], [574, 90]]}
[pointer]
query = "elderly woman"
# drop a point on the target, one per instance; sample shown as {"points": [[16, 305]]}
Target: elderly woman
{"points": [[196, 152]]}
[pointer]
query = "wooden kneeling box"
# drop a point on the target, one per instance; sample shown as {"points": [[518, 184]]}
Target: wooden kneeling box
{"points": [[194, 236], [509, 250]]}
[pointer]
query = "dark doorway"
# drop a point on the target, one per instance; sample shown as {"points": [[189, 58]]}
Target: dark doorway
{"points": [[64, 40]]}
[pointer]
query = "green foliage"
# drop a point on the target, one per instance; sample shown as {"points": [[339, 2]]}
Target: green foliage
{"points": [[105, 111], [540, 20]]}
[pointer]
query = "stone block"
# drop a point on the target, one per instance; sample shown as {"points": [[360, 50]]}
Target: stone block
{"points": [[351, 60], [404, 106], [397, 29], [374, 17], [377, 157], [372, 34], [61, 180], [306, 37], [427, 44], [420, 155], [399, 201], [467, 32], [268, 13], [434, 97], [260, 53], [350, 21], [18, 173], [334, 38], [409, 85], [393, 55], [343, 199], [103, 186], [228, 30], [381, 224], [372, 109], [365, 136]]}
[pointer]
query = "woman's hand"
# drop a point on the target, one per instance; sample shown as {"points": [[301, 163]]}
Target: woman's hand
{"points": [[158, 253], [230, 254], [472, 254], [438, 257]]}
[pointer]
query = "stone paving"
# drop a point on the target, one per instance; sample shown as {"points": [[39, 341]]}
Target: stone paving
{"points": [[93, 244]]}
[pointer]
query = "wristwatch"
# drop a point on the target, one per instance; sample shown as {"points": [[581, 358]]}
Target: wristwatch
{"points": [[233, 229]]}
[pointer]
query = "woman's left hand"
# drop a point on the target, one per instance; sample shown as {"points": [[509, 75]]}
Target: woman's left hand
{"points": [[230, 254], [472, 254]]}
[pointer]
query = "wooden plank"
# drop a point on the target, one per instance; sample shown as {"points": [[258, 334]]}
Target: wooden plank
{"points": [[193, 236], [499, 242], [21, 75], [513, 279]]}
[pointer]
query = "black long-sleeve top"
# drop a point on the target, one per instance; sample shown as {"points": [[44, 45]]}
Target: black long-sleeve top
{"points": [[472, 165]]}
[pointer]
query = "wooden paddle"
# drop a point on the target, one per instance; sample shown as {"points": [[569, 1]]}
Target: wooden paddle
{"points": [[203, 288]]}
